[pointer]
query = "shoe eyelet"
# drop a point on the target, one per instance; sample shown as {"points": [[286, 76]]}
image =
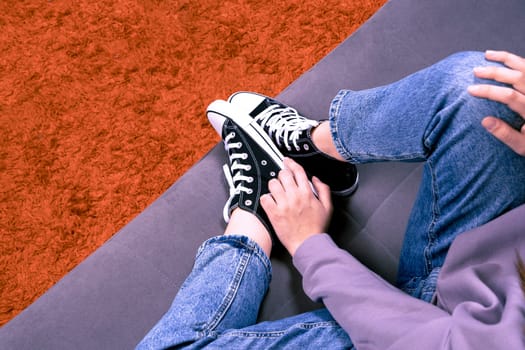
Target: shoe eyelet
{"points": [[298, 149], [232, 134], [306, 147], [264, 162], [248, 167], [272, 173], [248, 202], [250, 180], [249, 191], [245, 156]]}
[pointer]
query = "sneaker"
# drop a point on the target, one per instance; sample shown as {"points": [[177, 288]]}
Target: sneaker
{"points": [[291, 132], [253, 161]]}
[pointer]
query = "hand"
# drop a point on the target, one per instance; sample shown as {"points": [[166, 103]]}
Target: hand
{"points": [[513, 97], [295, 212]]}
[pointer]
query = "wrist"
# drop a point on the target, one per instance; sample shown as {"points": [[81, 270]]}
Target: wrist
{"points": [[294, 245]]}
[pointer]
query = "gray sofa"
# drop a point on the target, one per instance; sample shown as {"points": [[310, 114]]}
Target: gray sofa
{"points": [[117, 294]]}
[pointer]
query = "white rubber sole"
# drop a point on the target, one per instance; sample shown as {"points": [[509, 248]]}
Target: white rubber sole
{"points": [[252, 99], [349, 191]]}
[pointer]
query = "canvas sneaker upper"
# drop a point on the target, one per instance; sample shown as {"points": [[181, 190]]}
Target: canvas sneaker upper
{"points": [[249, 169], [291, 133]]}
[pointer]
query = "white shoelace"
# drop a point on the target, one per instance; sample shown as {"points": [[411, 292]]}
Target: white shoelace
{"points": [[233, 173], [285, 123]]}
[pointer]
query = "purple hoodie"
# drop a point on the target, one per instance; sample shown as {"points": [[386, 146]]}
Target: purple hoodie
{"points": [[480, 304]]}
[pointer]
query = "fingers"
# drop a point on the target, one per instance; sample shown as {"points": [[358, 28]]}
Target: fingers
{"points": [[293, 209], [292, 182], [298, 173], [277, 190], [510, 60], [505, 133], [512, 98], [501, 74], [513, 74]]}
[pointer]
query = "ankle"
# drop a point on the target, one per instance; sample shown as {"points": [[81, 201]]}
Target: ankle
{"points": [[244, 223], [322, 139]]}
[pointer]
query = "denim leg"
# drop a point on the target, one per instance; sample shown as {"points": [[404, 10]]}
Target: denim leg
{"points": [[227, 284], [311, 330], [218, 304], [469, 177]]}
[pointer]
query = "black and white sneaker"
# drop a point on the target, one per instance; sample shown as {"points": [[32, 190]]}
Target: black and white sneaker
{"points": [[253, 161], [291, 132]]}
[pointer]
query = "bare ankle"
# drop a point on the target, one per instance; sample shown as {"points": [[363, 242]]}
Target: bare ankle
{"points": [[322, 139], [247, 224]]}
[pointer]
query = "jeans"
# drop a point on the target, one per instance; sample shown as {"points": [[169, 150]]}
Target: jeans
{"points": [[218, 304], [469, 178]]}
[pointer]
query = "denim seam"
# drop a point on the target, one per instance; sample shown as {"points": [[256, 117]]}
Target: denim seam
{"points": [[208, 329], [359, 157], [249, 245], [270, 334], [254, 248], [352, 156], [430, 288], [431, 235], [334, 116], [251, 248]]}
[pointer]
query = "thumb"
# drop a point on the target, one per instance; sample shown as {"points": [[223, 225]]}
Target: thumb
{"points": [[506, 134]]}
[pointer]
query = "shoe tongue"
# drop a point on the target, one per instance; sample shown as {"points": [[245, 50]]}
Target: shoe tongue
{"points": [[261, 108], [302, 135]]}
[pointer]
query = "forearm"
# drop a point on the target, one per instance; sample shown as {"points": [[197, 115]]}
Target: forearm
{"points": [[377, 315], [364, 304]]}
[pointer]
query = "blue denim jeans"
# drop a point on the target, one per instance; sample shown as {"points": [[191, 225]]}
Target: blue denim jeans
{"points": [[217, 306], [469, 178]]}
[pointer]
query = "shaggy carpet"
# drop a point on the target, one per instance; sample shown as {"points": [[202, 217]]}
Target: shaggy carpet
{"points": [[102, 109]]}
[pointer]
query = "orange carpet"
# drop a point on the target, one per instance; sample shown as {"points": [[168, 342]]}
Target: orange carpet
{"points": [[102, 108]]}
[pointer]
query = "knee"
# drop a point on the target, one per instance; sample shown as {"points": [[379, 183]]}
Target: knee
{"points": [[458, 69], [456, 104], [458, 75], [462, 63], [465, 59]]}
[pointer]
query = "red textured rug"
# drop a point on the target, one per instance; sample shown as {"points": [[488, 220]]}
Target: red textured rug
{"points": [[102, 108]]}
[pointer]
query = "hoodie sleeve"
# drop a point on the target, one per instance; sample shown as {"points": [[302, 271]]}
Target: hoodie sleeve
{"points": [[377, 315]]}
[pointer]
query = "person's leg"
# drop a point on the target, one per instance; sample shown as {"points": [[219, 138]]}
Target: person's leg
{"points": [[218, 304], [311, 330], [224, 290], [244, 222], [469, 177]]}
